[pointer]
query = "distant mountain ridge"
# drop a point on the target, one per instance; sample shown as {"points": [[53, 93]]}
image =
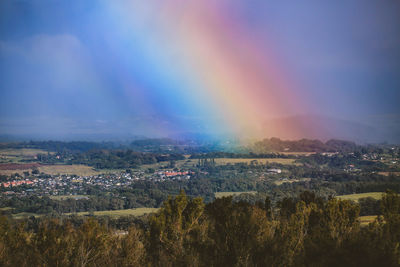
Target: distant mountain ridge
{"points": [[303, 145], [325, 128]]}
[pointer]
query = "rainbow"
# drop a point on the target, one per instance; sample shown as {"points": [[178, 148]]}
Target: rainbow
{"points": [[201, 60]]}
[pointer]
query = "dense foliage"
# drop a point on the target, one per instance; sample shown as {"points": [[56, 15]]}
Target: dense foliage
{"points": [[302, 231]]}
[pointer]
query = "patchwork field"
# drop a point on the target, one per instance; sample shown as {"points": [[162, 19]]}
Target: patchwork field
{"points": [[356, 197], [227, 194]]}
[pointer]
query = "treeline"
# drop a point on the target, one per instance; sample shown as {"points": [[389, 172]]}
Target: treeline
{"points": [[302, 231], [307, 145], [249, 155], [59, 146], [109, 159]]}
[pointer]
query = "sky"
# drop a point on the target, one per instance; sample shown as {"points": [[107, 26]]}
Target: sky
{"points": [[315, 69]]}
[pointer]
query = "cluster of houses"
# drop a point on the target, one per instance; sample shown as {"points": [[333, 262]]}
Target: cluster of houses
{"points": [[62, 184], [16, 183]]}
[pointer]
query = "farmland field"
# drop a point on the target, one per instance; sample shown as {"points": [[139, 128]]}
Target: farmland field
{"points": [[111, 213], [227, 194], [77, 169], [356, 197], [119, 213], [365, 220]]}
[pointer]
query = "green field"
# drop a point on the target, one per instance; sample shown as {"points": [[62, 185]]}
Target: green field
{"points": [[356, 197], [227, 194]]}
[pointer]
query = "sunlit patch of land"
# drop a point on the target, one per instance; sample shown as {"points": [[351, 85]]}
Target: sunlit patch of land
{"points": [[118, 213], [356, 197], [389, 173], [227, 194], [77, 169], [365, 220]]}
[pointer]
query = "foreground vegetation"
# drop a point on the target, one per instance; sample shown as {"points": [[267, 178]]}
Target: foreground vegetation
{"points": [[302, 231]]}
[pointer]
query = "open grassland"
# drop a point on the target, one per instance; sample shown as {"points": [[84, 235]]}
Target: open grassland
{"points": [[356, 197], [365, 220], [227, 194]]}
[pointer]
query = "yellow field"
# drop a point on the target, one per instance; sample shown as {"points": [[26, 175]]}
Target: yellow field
{"points": [[119, 213], [365, 220], [77, 169], [227, 194], [356, 197], [389, 173]]}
